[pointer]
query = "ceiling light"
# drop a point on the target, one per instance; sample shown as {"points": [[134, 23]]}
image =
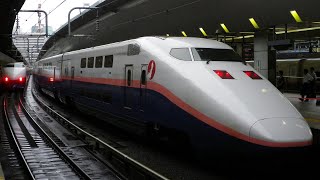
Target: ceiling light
{"points": [[279, 32], [184, 33], [224, 27], [203, 32], [254, 23], [299, 30], [296, 16]]}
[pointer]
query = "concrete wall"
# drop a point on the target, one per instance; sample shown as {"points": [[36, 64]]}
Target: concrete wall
{"points": [[4, 59]]}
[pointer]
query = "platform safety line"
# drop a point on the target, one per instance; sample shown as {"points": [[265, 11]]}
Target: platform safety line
{"points": [[2, 178]]}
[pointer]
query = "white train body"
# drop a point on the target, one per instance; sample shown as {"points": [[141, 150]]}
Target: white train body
{"points": [[14, 75], [186, 95]]}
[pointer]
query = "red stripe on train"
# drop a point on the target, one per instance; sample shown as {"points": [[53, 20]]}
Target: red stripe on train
{"points": [[202, 117]]}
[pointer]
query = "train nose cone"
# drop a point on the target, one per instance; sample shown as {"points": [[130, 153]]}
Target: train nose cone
{"points": [[282, 132]]}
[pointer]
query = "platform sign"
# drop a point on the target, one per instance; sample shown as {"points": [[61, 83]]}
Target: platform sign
{"points": [[247, 52]]}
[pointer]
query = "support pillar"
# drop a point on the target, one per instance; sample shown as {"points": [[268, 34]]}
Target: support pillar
{"points": [[264, 57], [238, 49]]}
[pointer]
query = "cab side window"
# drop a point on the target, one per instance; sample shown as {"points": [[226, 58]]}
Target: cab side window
{"points": [[181, 54]]}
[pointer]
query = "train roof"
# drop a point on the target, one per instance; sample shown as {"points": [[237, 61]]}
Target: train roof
{"points": [[175, 42], [165, 43]]}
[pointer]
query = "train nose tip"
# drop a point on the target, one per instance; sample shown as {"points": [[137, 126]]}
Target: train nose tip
{"points": [[282, 132]]}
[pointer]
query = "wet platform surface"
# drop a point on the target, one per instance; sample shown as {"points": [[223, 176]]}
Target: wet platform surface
{"points": [[309, 110]]}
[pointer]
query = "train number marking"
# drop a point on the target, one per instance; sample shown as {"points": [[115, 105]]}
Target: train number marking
{"points": [[151, 69]]}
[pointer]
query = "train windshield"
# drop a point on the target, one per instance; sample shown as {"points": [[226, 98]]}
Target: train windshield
{"points": [[9, 65], [19, 65], [209, 54], [15, 65]]}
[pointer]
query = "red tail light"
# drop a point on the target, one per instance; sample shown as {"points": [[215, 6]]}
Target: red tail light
{"points": [[223, 74], [20, 79], [6, 79], [252, 74], [51, 79]]}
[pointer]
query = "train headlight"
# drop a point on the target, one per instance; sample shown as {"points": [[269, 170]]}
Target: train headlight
{"points": [[252, 75], [223, 74], [20, 79], [6, 79]]}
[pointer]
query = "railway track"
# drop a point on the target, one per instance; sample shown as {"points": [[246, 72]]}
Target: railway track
{"points": [[49, 146], [41, 155], [125, 166]]}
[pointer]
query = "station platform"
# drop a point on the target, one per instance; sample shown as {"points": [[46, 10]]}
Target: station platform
{"points": [[309, 110]]}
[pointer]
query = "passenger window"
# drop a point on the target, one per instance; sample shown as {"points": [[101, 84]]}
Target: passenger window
{"points": [[83, 63], [90, 62], [143, 77], [108, 61], [99, 62], [181, 53]]}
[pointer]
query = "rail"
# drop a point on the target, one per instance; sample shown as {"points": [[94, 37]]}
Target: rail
{"points": [[56, 147], [147, 173], [15, 138], [45, 138]]}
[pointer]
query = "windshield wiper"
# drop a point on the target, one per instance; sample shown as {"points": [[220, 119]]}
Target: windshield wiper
{"points": [[208, 60]]}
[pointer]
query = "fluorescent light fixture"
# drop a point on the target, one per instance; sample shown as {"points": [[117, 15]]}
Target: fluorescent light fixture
{"points": [[296, 16], [224, 27], [243, 32], [203, 32], [240, 37], [184, 33], [279, 32], [299, 30], [254, 23]]}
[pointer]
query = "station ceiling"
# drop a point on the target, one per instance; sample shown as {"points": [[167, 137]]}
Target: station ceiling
{"points": [[8, 9], [126, 19]]}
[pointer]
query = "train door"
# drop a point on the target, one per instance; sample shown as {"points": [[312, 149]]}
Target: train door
{"points": [[67, 72], [128, 99], [143, 86]]}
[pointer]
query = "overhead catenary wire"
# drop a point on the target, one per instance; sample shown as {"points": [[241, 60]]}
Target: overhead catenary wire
{"points": [[51, 11], [32, 14]]}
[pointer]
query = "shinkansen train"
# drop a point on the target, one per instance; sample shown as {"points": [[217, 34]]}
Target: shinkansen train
{"points": [[14, 75], [190, 89]]}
